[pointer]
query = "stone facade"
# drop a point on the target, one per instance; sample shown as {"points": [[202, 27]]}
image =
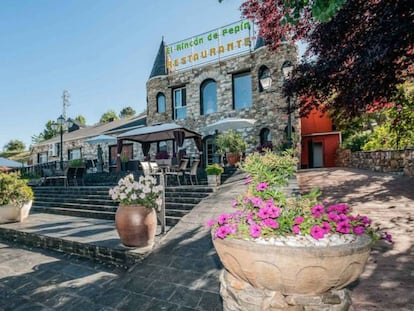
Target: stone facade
{"points": [[390, 161], [268, 107], [240, 296]]}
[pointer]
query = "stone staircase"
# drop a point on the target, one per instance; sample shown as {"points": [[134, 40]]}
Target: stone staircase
{"points": [[94, 201]]}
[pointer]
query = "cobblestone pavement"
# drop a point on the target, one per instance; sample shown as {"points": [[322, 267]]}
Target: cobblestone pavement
{"points": [[182, 272], [388, 280]]}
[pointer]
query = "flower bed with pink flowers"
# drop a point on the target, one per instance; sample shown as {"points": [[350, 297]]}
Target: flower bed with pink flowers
{"points": [[265, 214]]}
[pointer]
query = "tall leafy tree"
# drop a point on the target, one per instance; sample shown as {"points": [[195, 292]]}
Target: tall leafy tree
{"points": [[108, 116], [47, 133], [127, 112], [15, 145], [359, 56], [81, 119]]}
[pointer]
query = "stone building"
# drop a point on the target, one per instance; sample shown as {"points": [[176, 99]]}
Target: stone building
{"points": [[75, 145], [196, 92]]}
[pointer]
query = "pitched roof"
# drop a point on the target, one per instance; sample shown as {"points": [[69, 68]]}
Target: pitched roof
{"points": [[158, 69], [116, 126]]}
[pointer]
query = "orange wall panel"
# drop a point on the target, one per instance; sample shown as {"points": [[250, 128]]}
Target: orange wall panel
{"points": [[316, 122]]}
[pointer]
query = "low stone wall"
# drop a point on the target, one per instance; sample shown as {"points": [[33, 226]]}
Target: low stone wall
{"points": [[391, 161]]}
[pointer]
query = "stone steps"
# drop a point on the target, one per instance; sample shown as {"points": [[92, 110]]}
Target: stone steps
{"points": [[94, 202]]}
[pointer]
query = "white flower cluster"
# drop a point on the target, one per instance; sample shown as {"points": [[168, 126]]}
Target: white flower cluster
{"points": [[145, 191]]}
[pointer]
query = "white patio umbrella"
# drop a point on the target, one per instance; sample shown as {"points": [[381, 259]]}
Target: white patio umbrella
{"points": [[6, 164], [230, 123], [101, 139]]}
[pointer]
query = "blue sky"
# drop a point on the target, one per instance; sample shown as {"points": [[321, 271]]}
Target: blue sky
{"points": [[101, 51]]}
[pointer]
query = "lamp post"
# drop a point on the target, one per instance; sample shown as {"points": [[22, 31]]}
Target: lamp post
{"points": [[287, 68], [60, 123]]}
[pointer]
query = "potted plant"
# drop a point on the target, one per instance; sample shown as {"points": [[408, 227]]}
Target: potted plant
{"points": [[214, 172], [136, 218], [270, 231], [163, 158], [16, 198], [232, 144], [124, 162]]}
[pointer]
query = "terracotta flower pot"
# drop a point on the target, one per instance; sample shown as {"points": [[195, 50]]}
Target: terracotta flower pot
{"points": [[136, 225], [232, 158], [294, 270]]}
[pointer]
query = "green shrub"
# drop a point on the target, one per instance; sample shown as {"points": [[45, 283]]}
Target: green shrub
{"points": [[214, 169], [14, 190], [230, 141], [76, 163], [356, 141]]}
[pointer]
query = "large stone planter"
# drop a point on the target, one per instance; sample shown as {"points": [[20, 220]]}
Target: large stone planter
{"points": [[213, 180], [136, 225], [294, 270], [12, 213]]}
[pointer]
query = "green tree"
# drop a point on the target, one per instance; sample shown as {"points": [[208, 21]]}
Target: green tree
{"points": [[359, 56], [108, 116], [81, 119], [127, 112], [15, 145], [47, 133], [397, 130]]}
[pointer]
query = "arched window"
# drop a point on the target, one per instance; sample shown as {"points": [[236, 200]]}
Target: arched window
{"points": [[208, 100], [160, 103], [265, 135]]}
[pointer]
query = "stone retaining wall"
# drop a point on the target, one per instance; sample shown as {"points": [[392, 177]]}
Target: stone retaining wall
{"points": [[390, 161]]}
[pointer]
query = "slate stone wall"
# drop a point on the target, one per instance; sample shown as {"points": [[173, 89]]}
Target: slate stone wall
{"points": [[390, 161], [268, 108]]}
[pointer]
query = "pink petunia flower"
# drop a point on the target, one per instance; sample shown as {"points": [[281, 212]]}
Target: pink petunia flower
{"points": [[256, 201], [261, 186], [222, 219], [326, 227], [296, 229], [222, 232], [270, 223], [210, 222], [386, 236], [317, 211], [234, 203], [255, 231], [298, 220], [333, 216], [270, 203], [317, 232], [264, 213], [248, 180], [343, 227], [358, 230], [275, 212]]}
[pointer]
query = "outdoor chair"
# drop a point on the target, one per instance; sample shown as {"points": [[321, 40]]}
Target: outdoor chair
{"points": [[53, 176], [149, 168], [70, 175], [179, 171], [79, 176], [193, 172]]}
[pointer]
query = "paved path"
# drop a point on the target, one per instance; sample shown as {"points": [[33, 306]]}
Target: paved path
{"points": [[388, 280], [182, 273]]}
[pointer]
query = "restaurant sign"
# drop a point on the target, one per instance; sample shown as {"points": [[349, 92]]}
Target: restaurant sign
{"points": [[211, 46]]}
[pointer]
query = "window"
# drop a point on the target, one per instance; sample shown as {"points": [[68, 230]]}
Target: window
{"points": [[160, 103], [179, 103], [208, 98], [42, 157], [242, 91], [265, 136], [74, 154], [162, 146]]}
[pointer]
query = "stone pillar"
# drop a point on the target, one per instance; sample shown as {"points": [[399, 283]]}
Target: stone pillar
{"points": [[240, 296]]}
